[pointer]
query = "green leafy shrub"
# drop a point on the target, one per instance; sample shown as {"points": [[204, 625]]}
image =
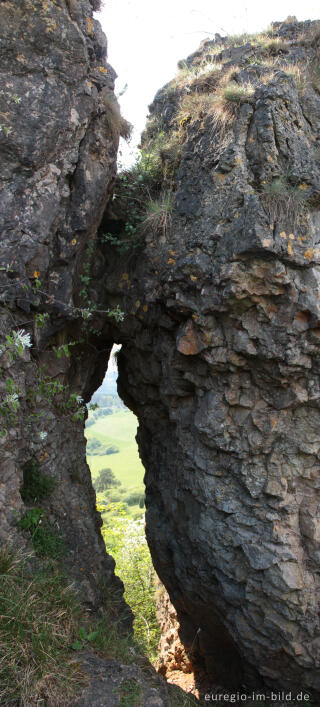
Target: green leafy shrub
{"points": [[135, 498], [125, 540], [45, 539], [36, 485]]}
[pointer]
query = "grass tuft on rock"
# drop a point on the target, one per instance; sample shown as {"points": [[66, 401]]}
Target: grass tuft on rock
{"points": [[157, 216]]}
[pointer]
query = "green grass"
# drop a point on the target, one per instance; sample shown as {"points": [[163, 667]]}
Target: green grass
{"points": [[120, 429], [38, 618]]}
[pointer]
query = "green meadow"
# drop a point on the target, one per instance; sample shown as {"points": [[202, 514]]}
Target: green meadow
{"points": [[118, 429]]}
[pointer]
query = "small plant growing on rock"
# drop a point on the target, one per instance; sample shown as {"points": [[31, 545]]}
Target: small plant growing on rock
{"points": [[45, 539], [275, 46], [282, 201], [119, 126], [237, 93], [298, 76], [158, 215], [36, 485]]}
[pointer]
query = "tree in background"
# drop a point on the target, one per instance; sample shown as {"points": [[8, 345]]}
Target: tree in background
{"points": [[105, 480]]}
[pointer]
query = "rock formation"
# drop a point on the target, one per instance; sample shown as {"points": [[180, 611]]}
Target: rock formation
{"points": [[58, 163], [220, 352]]}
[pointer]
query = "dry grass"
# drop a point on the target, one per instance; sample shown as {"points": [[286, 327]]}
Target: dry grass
{"points": [[220, 105], [198, 73], [195, 107], [311, 38], [315, 77], [299, 77], [118, 125], [157, 216], [38, 619], [283, 202], [275, 46], [233, 92]]}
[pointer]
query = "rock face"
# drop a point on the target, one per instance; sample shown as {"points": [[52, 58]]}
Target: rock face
{"points": [[222, 367], [58, 162], [220, 340]]}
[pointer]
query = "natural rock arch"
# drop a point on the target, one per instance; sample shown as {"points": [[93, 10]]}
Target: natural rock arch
{"points": [[219, 359]]}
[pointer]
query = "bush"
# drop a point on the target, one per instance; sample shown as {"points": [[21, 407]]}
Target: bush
{"points": [[36, 485], [45, 539], [95, 448], [125, 540], [135, 498]]}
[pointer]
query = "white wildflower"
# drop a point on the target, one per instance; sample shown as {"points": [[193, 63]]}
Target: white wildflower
{"points": [[11, 398], [21, 338], [85, 313], [79, 399], [43, 434]]}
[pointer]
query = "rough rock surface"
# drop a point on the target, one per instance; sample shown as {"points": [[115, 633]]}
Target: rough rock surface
{"points": [[222, 368], [110, 683], [220, 342], [58, 162]]}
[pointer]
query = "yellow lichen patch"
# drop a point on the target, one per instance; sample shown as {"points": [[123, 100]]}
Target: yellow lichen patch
{"points": [[193, 278], [291, 236], [36, 273], [219, 177], [171, 261], [270, 158], [51, 26], [308, 253], [302, 238], [238, 160], [290, 249], [103, 69], [73, 242], [303, 186], [89, 25], [236, 214], [283, 234], [251, 139], [172, 252], [125, 276]]}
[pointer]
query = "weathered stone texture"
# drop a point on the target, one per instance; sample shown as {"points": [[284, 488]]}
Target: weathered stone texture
{"points": [[220, 343], [222, 369], [58, 162]]}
